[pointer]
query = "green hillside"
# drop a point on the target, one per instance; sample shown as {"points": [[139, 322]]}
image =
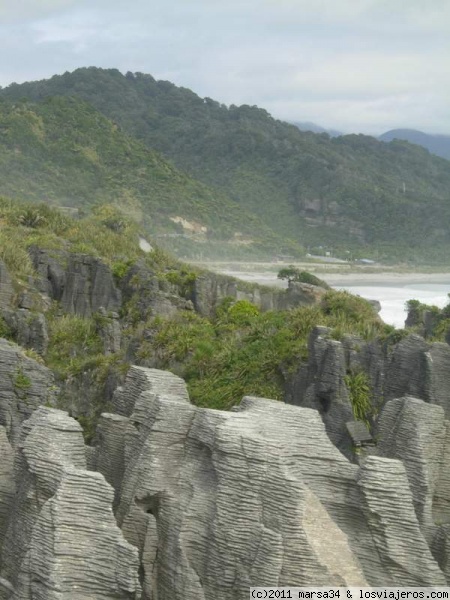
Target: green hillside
{"points": [[351, 192], [64, 152]]}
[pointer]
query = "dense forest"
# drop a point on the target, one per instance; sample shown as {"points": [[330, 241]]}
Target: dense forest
{"points": [[348, 194], [64, 152]]}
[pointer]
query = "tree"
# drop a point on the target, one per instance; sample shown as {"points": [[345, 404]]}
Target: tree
{"points": [[291, 273]]}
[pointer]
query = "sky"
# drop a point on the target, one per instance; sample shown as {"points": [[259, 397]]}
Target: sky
{"points": [[352, 65]]}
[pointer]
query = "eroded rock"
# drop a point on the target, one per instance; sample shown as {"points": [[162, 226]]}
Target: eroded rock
{"points": [[62, 541]]}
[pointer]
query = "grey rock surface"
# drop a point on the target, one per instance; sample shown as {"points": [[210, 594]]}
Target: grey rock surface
{"points": [[407, 371], [62, 541], [6, 287], [389, 508], [216, 502], [151, 295], [438, 362], [211, 288], [7, 483], [201, 486], [89, 285], [412, 367], [109, 330], [24, 386], [28, 328], [140, 379], [81, 283], [418, 442], [324, 387], [51, 271]]}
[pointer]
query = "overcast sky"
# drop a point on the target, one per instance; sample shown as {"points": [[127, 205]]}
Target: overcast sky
{"points": [[353, 65]]}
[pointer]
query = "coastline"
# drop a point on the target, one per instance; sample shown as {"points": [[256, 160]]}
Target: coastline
{"points": [[385, 278]]}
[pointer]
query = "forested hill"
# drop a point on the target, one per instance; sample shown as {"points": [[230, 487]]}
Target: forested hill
{"points": [[63, 151], [346, 192], [436, 144]]}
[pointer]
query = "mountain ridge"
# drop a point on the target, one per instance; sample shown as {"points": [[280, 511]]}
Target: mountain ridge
{"points": [[438, 144], [388, 201]]}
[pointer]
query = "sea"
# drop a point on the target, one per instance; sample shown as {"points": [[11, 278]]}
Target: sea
{"points": [[392, 292]]}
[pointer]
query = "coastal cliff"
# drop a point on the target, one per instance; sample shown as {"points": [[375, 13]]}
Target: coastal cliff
{"points": [[124, 481]]}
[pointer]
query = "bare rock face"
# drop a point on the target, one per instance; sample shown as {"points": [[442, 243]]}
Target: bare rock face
{"points": [[219, 501], [419, 440], [62, 541], [109, 330], [208, 503], [324, 387], [7, 483], [211, 288], [89, 285], [24, 386], [407, 368], [438, 361], [29, 328], [303, 294], [389, 507], [83, 284], [202, 486], [413, 367], [152, 295], [140, 379], [6, 287]]}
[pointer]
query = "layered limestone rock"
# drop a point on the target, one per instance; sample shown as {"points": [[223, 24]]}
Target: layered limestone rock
{"points": [[151, 295], [323, 387], [24, 385], [6, 287], [219, 501], [7, 483], [407, 369], [389, 508], [81, 283], [28, 328], [62, 541], [211, 288], [412, 367], [210, 503], [414, 432]]}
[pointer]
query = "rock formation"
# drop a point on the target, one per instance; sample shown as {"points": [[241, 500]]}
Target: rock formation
{"points": [[172, 501], [24, 386], [210, 289], [62, 541], [80, 282], [208, 503]]}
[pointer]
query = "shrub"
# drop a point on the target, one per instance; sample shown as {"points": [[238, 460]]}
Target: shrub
{"points": [[360, 396], [291, 273]]}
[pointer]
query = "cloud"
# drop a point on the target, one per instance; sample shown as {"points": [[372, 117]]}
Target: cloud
{"points": [[349, 64], [24, 10]]}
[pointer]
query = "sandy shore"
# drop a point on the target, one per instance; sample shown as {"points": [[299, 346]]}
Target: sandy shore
{"points": [[389, 278]]}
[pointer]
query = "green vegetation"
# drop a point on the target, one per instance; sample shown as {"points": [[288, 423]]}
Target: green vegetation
{"points": [[74, 343], [52, 230], [358, 386], [291, 273], [431, 322], [352, 194], [64, 152], [240, 351], [21, 380], [244, 352]]}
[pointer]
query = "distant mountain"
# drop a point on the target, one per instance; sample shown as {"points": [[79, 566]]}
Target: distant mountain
{"points": [[308, 126], [63, 151], [350, 194], [436, 144]]}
